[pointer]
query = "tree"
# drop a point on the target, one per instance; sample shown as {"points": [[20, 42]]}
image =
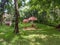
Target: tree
{"points": [[16, 30]]}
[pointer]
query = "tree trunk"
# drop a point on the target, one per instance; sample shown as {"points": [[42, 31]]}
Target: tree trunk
{"points": [[16, 30]]}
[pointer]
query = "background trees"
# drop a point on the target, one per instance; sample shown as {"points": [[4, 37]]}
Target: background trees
{"points": [[47, 11]]}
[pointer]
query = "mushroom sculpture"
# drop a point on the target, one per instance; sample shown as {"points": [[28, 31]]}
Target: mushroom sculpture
{"points": [[25, 21], [8, 23], [32, 19]]}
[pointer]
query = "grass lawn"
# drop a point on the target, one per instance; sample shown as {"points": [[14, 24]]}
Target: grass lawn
{"points": [[45, 35]]}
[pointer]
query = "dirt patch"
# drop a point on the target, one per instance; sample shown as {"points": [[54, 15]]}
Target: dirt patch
{"points": [[30, 28]]}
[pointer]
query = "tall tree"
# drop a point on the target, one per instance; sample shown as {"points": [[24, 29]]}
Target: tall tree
{"points": [[16, 30]]}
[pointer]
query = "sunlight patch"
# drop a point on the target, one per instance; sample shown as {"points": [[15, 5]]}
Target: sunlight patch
{"points": [[35, 43], [1, 40], [56, 35], [43, 36], [35, 35], [14, 39], [4, 43], [2, 33]]}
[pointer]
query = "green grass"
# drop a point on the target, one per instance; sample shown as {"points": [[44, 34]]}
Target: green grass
{"points": [[45, 35]]}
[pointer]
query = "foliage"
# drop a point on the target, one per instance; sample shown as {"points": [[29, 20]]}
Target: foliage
{"points": [[47, 11]]}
